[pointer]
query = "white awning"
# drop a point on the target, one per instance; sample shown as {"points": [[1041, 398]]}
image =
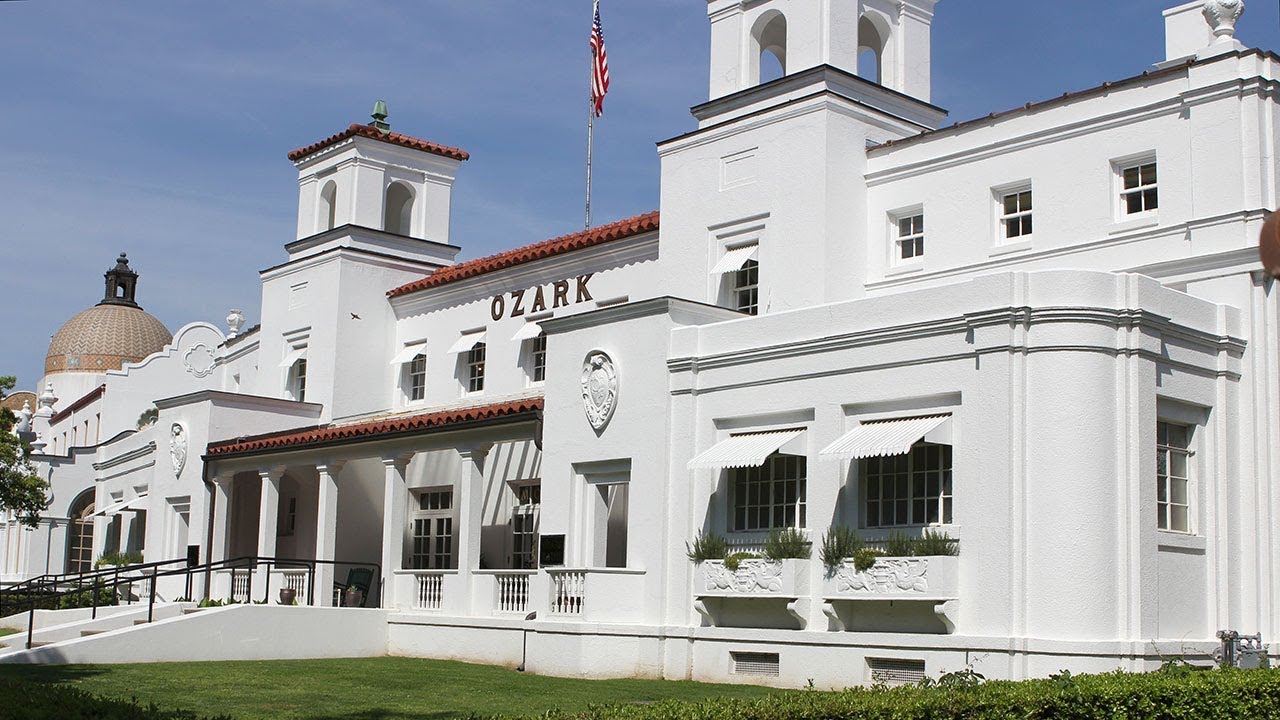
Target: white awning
{"points": [[466, 342], [530, 331], [138, 503], [409, 353], [115, 508], [747, 450], [888, 437], [734, 259], [294, 356]]}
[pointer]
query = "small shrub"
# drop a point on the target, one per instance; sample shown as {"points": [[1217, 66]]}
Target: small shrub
{"points": [[865, 557], [707, 546], [838, 544], [935, 542], [787, 543], [899, 544], [117, 558], [734, 560], [23, 700]]}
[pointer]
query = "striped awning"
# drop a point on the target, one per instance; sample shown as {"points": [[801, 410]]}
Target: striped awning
{"points": [[528, 331], [115, 508], [294, 356], [734, 259], [467, 342], [746, 450], [888, 437], [409, 352]]}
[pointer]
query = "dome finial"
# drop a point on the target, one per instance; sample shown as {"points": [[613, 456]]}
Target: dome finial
{"points": [[122, 284], [380, 117]]}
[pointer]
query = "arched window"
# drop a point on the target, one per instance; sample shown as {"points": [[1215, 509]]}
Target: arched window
{"points": [[328, 205], [769, 48], [399, 209], [80, 534], [871, 43]]}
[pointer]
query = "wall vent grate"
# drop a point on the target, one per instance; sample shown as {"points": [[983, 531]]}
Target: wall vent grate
{"points": [[894, 671], [755, 663]]}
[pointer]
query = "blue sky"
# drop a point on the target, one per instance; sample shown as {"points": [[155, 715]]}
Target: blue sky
{"points": [[160, 127]]}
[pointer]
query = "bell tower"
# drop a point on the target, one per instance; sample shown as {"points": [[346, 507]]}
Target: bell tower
{"points": [[884, 41]]}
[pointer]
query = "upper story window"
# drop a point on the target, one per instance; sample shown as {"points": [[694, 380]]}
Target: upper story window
{"points": [[909, 240], [909, 489], [1173, 477], [1139, 193], [538, 359], [475, 368], [1015, 213], [770, 496], [298, 380], [416, 382], [746, 288]]}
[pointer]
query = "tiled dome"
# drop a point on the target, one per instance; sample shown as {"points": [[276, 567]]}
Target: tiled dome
{"points": [[109, 334], [104, 337]]}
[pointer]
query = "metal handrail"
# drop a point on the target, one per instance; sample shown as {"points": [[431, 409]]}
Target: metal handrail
{"points": [[248, 562]]}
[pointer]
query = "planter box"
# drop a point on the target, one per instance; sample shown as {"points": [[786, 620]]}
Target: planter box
{"points": [[935, 577], [753, 578]]}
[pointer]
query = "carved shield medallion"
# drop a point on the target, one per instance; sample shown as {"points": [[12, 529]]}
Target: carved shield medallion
{"points": [[599, 388], [178, 448]]}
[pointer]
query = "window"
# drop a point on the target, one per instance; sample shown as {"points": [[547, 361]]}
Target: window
{"points": [[475, 368], [909, 243], [1173, 477], [416, 382], [770, 496], [538, 359], [289, 523], [1015, 214], [524, 526], [80, 534], [433, 530], [298, 380], [910, 489], [746, 288], [1139, 193]]}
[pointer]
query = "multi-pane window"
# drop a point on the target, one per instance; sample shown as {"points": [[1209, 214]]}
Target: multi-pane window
{"points": [[475, 368], [433, 531], [1015, 214], [538, 358], [298, 380], [1173, 477], [746, 288], [770, 496], [416, 382], [910, 489], [1140, 193], [524, 527], [910, 240]]}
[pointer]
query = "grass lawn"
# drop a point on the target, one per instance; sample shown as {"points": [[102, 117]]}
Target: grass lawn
{"points": [[387, 688], [10, 631]]}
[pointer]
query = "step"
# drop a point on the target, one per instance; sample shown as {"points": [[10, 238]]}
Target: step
{"points": [[35, 645], [188, 611], [87, 633], [141, 622]]}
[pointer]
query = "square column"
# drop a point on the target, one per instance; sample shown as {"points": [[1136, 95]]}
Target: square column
{"points": [[326, 532], [469, 508], [394, 517], [222, 490], [268, 525]]}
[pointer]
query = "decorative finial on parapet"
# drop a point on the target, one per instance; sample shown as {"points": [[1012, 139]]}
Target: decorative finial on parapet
{"points": [[47, 400], [1269, 245], [24, 419], [380, 117], [38, 445], [1223, 15], [235, 321]]}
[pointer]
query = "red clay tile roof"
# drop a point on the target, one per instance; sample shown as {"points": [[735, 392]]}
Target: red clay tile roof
{"points": [[338, 434], [548, 248], [394, 138]]}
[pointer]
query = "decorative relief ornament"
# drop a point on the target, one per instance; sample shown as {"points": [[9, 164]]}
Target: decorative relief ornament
{"points": [[235, 321], [1223, 15], [752, 576], [199, 360], [894, 576], [178, 448], [599, 388]]}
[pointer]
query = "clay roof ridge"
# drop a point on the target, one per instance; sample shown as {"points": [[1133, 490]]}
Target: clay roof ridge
{"points": [[619, 230], [392, 138]]}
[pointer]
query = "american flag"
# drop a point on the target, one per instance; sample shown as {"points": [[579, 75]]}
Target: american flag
{"points": [[599, 65]]}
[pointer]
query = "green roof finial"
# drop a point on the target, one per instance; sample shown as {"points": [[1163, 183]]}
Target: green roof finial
{"points": [[380, 117]]}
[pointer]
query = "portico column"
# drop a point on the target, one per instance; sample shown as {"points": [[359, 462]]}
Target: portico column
{"points": [[221, 517], [326, 531], [470, 499], [394, 514], [269, 511]]}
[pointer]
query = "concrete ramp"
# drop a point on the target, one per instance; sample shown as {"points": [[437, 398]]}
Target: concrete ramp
{"points": [[56, 626], [238, 632]]}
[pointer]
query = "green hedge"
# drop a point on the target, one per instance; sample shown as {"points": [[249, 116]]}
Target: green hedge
{"points": [[37, 701], [1185, 695]]}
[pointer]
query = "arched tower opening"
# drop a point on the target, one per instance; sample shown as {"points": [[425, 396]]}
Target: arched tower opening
{"points": [[328, 205], [80, 534], [872, 41], [398, 212], [768, 48]]}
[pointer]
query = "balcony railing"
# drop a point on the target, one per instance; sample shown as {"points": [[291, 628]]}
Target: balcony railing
{"points": [[568, 591], [430, 591]]}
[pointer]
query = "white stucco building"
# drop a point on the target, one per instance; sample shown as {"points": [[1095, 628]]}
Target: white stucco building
{"points": [[1044, 332]]}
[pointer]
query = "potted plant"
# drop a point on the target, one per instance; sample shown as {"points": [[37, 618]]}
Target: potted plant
{"points": [[288, 596], [353, 597]]}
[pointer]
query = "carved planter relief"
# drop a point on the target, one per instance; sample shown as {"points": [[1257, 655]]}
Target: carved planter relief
{"points": [[782, 578], [893, 578]]}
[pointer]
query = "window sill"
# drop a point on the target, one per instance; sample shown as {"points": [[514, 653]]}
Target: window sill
{"points": [[905, 268], [1141, 221], [1166, 540], [1020, 245], [879, 535]]}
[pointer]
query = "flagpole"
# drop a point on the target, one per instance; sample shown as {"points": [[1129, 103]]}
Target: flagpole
{"points": [[591, 118]]}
